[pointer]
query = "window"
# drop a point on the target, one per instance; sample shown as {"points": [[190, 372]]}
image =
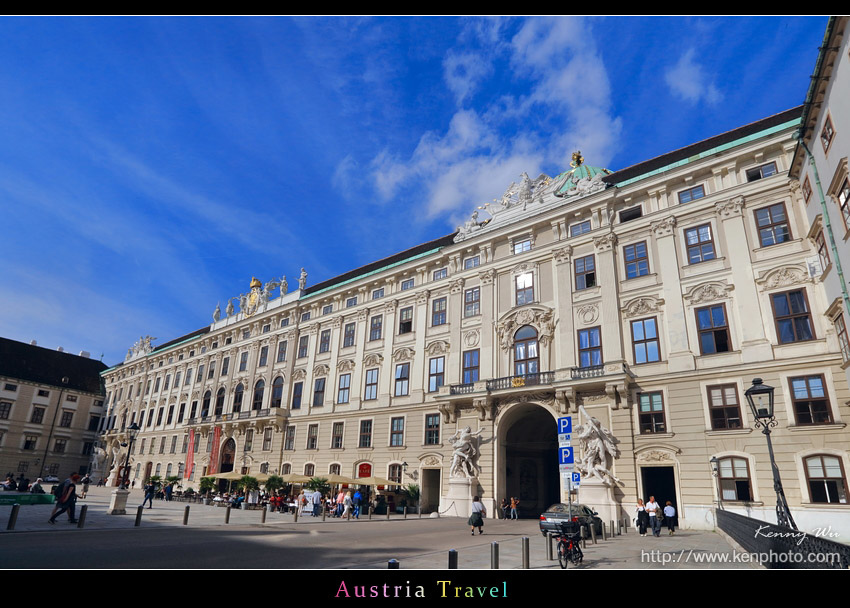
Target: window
{"points": [[432, 429], [526, 358], [225, 366], [305, 316], [441, 273], [351, 302], [734, 475], [211, 371], [470, 366], [237, 398], [325, 341], [809, 400], [243, 361], [691, 194], [713, 330], [67, 419], [375, 327], [723, 407], [365, 440], [266, 329], [336, 435], [773, 225], [326, 310], [438, 312], [60, 445], [633, 213], [761, 172], [408, 284], [827, 134], [823, 252], [249, 441], [303, 343], [188, 377], [284, 322], [397, 432], [167, 382], [637, 262], [524, 284], [259, 391], [402, 379], [348, 335], [371, 384], [841, 330], [589, 347], [585, 269], [580, 228], [651, 414], [88, 448], [267, 439], [405, 321], [319, 392], [10, 387], [297, 390], [281, 352], [309, 470], [30, 442], [645, 341], [791, 313], [312, 436], [522, 246], [289, 438], [5, 408], [825, 475], [277, 392], [37, 415], [807, 189], [436, 375], [700, 244], [264, 356], [472, 302], [378, 293], [843, 197], [344, 388], [472, 262]]}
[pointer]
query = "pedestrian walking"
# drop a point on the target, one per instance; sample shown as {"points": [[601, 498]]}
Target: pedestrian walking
{"points": [[346, 504], [641, 517], [356, 501], [67, 500], [670, 516], [86, 481], [169, 489], [652, 508], [476, 518], [150, 492], [316, 499]]}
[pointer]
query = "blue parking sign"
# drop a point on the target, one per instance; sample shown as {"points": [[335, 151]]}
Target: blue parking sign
{"points": [[565, 425], [566, 456]]}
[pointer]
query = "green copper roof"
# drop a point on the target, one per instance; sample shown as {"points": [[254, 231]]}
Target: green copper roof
{"points": [[572, 177]]}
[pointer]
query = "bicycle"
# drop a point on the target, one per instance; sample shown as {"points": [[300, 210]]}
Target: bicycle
{"points": [[569, 549]]}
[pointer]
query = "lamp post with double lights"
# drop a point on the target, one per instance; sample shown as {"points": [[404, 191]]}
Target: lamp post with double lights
{"points": [[132, 432], [760, 398]]}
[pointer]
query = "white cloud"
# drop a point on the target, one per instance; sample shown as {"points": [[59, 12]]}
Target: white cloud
{"points": [[689, 81], [463, 72]]}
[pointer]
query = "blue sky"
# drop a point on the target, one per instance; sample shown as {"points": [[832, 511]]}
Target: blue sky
{"points": [[149, 167]]}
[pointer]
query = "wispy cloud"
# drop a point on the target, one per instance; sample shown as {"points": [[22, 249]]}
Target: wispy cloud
{"points": [[689, 80]]}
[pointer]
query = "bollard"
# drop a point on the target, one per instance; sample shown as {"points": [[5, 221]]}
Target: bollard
{"points": [[604, 531], [452, 559], [525, 563], [186, 516], [583, 531], [227, 514], [13, 517], [494, 555], [388, 512], [613, 529], [324, 512], [392, 564], [296, 513], [139, 512], [81, 520], [348, 517], [370, 512], [405, 512], [550, 537], [593, 533], [263, 518], [419, 509]]}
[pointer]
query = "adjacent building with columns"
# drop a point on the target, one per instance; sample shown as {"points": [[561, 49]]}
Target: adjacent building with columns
{"points": [[646, 299]]}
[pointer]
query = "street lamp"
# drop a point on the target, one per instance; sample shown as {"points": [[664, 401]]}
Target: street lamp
{"points": [[760, 398], [132, 431]]}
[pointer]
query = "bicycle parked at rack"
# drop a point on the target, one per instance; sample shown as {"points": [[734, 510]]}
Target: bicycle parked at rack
{"points": [[569, 541]]}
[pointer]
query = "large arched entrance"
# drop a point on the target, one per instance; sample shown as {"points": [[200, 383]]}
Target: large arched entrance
{"points": [[528, 441], [228, 456]]}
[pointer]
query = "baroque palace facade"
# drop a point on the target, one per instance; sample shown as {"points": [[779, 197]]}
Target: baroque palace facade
{"points": [[647, 298]]}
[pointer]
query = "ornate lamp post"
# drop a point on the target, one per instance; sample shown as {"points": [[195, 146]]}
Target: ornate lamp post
{"points": [[132, 432], [760, 398]]}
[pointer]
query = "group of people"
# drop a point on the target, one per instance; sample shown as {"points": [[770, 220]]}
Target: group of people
{"points": [[510, 508], [650, 515], [23, 484], [343, 505]]}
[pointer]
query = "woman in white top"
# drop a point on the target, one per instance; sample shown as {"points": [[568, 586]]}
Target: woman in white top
{"points": [[476, 519]]}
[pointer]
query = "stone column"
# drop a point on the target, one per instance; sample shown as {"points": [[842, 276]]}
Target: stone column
{"points": [[565, 353], [489, 352], [609, 320]]}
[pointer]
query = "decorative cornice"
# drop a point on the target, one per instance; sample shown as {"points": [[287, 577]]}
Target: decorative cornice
{"points": [[456, 286], [783, 276], [437, 347], [562, 254], [403, 354], [345, 365], [642, 306], [730, 208], [321, 370], [664, 227], [299, 374], [487, 276], [710, 291], [373, 359], [606, 242]]}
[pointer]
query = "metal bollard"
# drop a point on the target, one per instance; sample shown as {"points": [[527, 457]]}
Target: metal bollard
{"points": [[13, 517], [494, 555], [452, 559], [139, 512], [405, 512], [593, 533], [81, 520], [419, 510], [613, 529], [324, 512], [388, 512], [227, 514], [583, 531], [525, 562], [392, 564], [348, 517], [370, 512], [296, 513], [604, 531], [186, 516], [550, 537], [263, 518]]}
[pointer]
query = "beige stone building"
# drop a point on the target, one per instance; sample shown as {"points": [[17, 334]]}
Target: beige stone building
{"points": [[647, 299]]}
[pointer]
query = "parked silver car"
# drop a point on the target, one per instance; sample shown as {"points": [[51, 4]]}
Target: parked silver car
{"points": [[560, 512]]}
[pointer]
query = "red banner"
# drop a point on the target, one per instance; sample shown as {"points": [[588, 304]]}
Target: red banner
{"points": [[213, 468], [190, 457]]}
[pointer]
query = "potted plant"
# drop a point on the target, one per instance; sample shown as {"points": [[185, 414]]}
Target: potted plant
{"points": [[413, 493], [208, 484], [247, 484]]}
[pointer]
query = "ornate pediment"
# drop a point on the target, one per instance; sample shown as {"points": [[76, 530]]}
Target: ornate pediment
{"points": [[783, 276], [437, 347], [403, 354], [299, 374], [321, 370], [373, 359], [643, 305], [541, 318], [710, 291], [345, 365]]}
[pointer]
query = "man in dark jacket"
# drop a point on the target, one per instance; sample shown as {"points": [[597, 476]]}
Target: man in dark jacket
{"points": [[66, 500]]}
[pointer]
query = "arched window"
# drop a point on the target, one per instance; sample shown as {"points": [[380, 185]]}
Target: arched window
{"points": [[526, 356], [825, 476], [259, 389], [237, 398], [309, 470], [219, 402], [168, 470], [734, 475], [205, 408], [286, 469], [277, 392], [334, 469], [264, 468]]}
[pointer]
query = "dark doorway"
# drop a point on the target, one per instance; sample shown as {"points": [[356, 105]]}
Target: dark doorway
{"points": [[531, 462], [661, 483], [430, 494], [228, 456]]}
